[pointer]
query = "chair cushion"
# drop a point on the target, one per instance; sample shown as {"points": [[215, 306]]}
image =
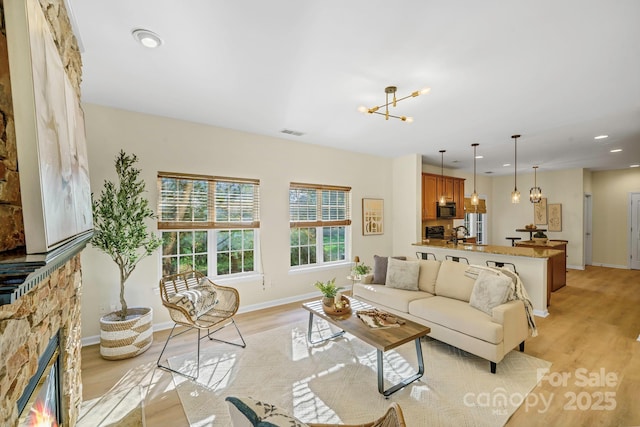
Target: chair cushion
{"points": [[197, 300], [490, 290], [246, 411], [403, 274]]}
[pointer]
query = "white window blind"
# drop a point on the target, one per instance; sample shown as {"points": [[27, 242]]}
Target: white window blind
{"points": [[198, 201], [313, 205]]}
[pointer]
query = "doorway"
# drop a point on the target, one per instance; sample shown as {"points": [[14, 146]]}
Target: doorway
{"points": [[588, 243], [634, 231]]}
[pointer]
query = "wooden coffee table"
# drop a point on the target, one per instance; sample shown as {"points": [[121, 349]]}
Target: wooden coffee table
{"points": [[383, 339]]}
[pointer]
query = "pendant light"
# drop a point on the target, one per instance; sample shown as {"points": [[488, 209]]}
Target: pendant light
{"points": [[475, 200], [515, 194], [443, 199], [535, 194]]}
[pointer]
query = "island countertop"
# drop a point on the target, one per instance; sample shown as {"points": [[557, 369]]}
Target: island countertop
{"points": [[544, 251]]}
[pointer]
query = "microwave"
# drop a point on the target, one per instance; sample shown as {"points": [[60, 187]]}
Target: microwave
{"points": [[446, 211]]}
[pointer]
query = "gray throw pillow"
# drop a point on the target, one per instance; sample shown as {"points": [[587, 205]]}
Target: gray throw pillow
{"points": [[403, 274], [489, 291], [380, 268]]}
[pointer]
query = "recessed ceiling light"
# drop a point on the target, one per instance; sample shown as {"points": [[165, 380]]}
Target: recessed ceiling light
{"points": [[617, 150], [479, 157], [634, 166], [506, 164], [146, 38], [601, 137]]}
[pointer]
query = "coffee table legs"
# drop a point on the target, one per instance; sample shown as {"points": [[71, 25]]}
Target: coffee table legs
{"points": [[336, 335], [404, 382]]}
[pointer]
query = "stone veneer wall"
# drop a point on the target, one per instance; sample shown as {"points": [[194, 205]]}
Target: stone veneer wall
{"points": [[11, 223], [54, 304], [11, 226], [25, 330]]}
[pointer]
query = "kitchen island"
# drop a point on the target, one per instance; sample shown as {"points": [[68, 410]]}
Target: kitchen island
{"points": [[533, 264]]}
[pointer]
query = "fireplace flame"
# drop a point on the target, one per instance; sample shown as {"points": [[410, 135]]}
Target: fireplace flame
{"points": [[41, 416]]}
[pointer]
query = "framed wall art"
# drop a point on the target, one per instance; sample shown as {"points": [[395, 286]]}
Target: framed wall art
{"points": [[372, 216], [540, 212], [555, 217]]}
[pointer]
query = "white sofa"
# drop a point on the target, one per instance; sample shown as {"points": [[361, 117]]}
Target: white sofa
{"points": [[441, 302]]}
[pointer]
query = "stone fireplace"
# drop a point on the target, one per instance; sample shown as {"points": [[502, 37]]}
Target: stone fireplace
{"points": [[39, 295], [50, 308]]}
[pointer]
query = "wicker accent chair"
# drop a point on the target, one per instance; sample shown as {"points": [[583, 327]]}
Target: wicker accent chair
{"points": [[392, 418], [195, 302]]}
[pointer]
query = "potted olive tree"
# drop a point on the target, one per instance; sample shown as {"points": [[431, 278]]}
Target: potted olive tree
{"points": [[120, 231]]}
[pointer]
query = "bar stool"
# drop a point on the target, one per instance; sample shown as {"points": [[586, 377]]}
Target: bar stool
{"points": [[502, 265], [456, 258], [513, 240], [425, 255]]}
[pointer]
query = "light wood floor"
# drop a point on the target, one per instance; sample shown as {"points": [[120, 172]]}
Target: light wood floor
{"points": [[590, 337]]}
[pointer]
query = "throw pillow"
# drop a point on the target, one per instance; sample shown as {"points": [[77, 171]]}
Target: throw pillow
{"points": [[403, 274], [246, 411], [380, 264], [196, 301], [489, 291]]}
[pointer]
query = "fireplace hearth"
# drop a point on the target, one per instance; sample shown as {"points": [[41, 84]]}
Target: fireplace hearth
{"points": [[40, 404]]}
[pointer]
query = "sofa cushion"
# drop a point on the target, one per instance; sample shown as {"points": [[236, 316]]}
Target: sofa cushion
{"points": [[402, 274], [458, 316], [490, 290], [380, 268], [428, 274], [383, 296], [452, 281]]}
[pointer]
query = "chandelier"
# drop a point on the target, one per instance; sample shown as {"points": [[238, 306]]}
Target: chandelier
{"points": [[475, 200], [391, 91], [515, 194], [535, 194], [443, 198]]}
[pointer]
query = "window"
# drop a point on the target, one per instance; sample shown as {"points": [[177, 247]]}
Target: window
{"points": [[319, 217], [209, 224], [476, 220]]}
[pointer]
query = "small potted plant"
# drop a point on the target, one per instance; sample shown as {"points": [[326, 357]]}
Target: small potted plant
{"points": [[540, 237], [333, 302], [360, 270]]}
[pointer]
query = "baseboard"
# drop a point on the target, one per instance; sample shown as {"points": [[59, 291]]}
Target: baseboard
{"points": [[575, 267], [598, 264], [540, 313], [95, 339]]}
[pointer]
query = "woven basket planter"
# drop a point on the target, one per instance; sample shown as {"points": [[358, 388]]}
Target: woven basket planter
{"points": [[123, 339]]}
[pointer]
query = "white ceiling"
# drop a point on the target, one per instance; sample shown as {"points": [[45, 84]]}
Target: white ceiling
{"points": [[557, 72]]}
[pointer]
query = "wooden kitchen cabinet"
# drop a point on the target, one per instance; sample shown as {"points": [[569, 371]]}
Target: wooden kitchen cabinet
{"points": [[429, 196], [432, 187]]}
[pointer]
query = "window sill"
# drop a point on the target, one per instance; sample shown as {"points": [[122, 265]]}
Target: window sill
{"points": [[323, 267], [243, 278]]}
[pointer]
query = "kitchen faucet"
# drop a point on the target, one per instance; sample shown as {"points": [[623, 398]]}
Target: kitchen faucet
{"points": [[454, 239]]}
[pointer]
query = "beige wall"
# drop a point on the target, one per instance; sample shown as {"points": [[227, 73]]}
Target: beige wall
{"points": [[565, 187], [610, 193], [164, 144]]}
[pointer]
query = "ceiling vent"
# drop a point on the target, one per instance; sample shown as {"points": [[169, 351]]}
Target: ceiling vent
{"points": [[292, 132]]}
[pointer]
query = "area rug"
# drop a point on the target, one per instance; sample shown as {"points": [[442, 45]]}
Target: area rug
{"points": [[122, 406], [336, 381]]}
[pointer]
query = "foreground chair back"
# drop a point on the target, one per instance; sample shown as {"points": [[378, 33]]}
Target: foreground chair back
{"points": [[195, 302], [392, 418]]}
